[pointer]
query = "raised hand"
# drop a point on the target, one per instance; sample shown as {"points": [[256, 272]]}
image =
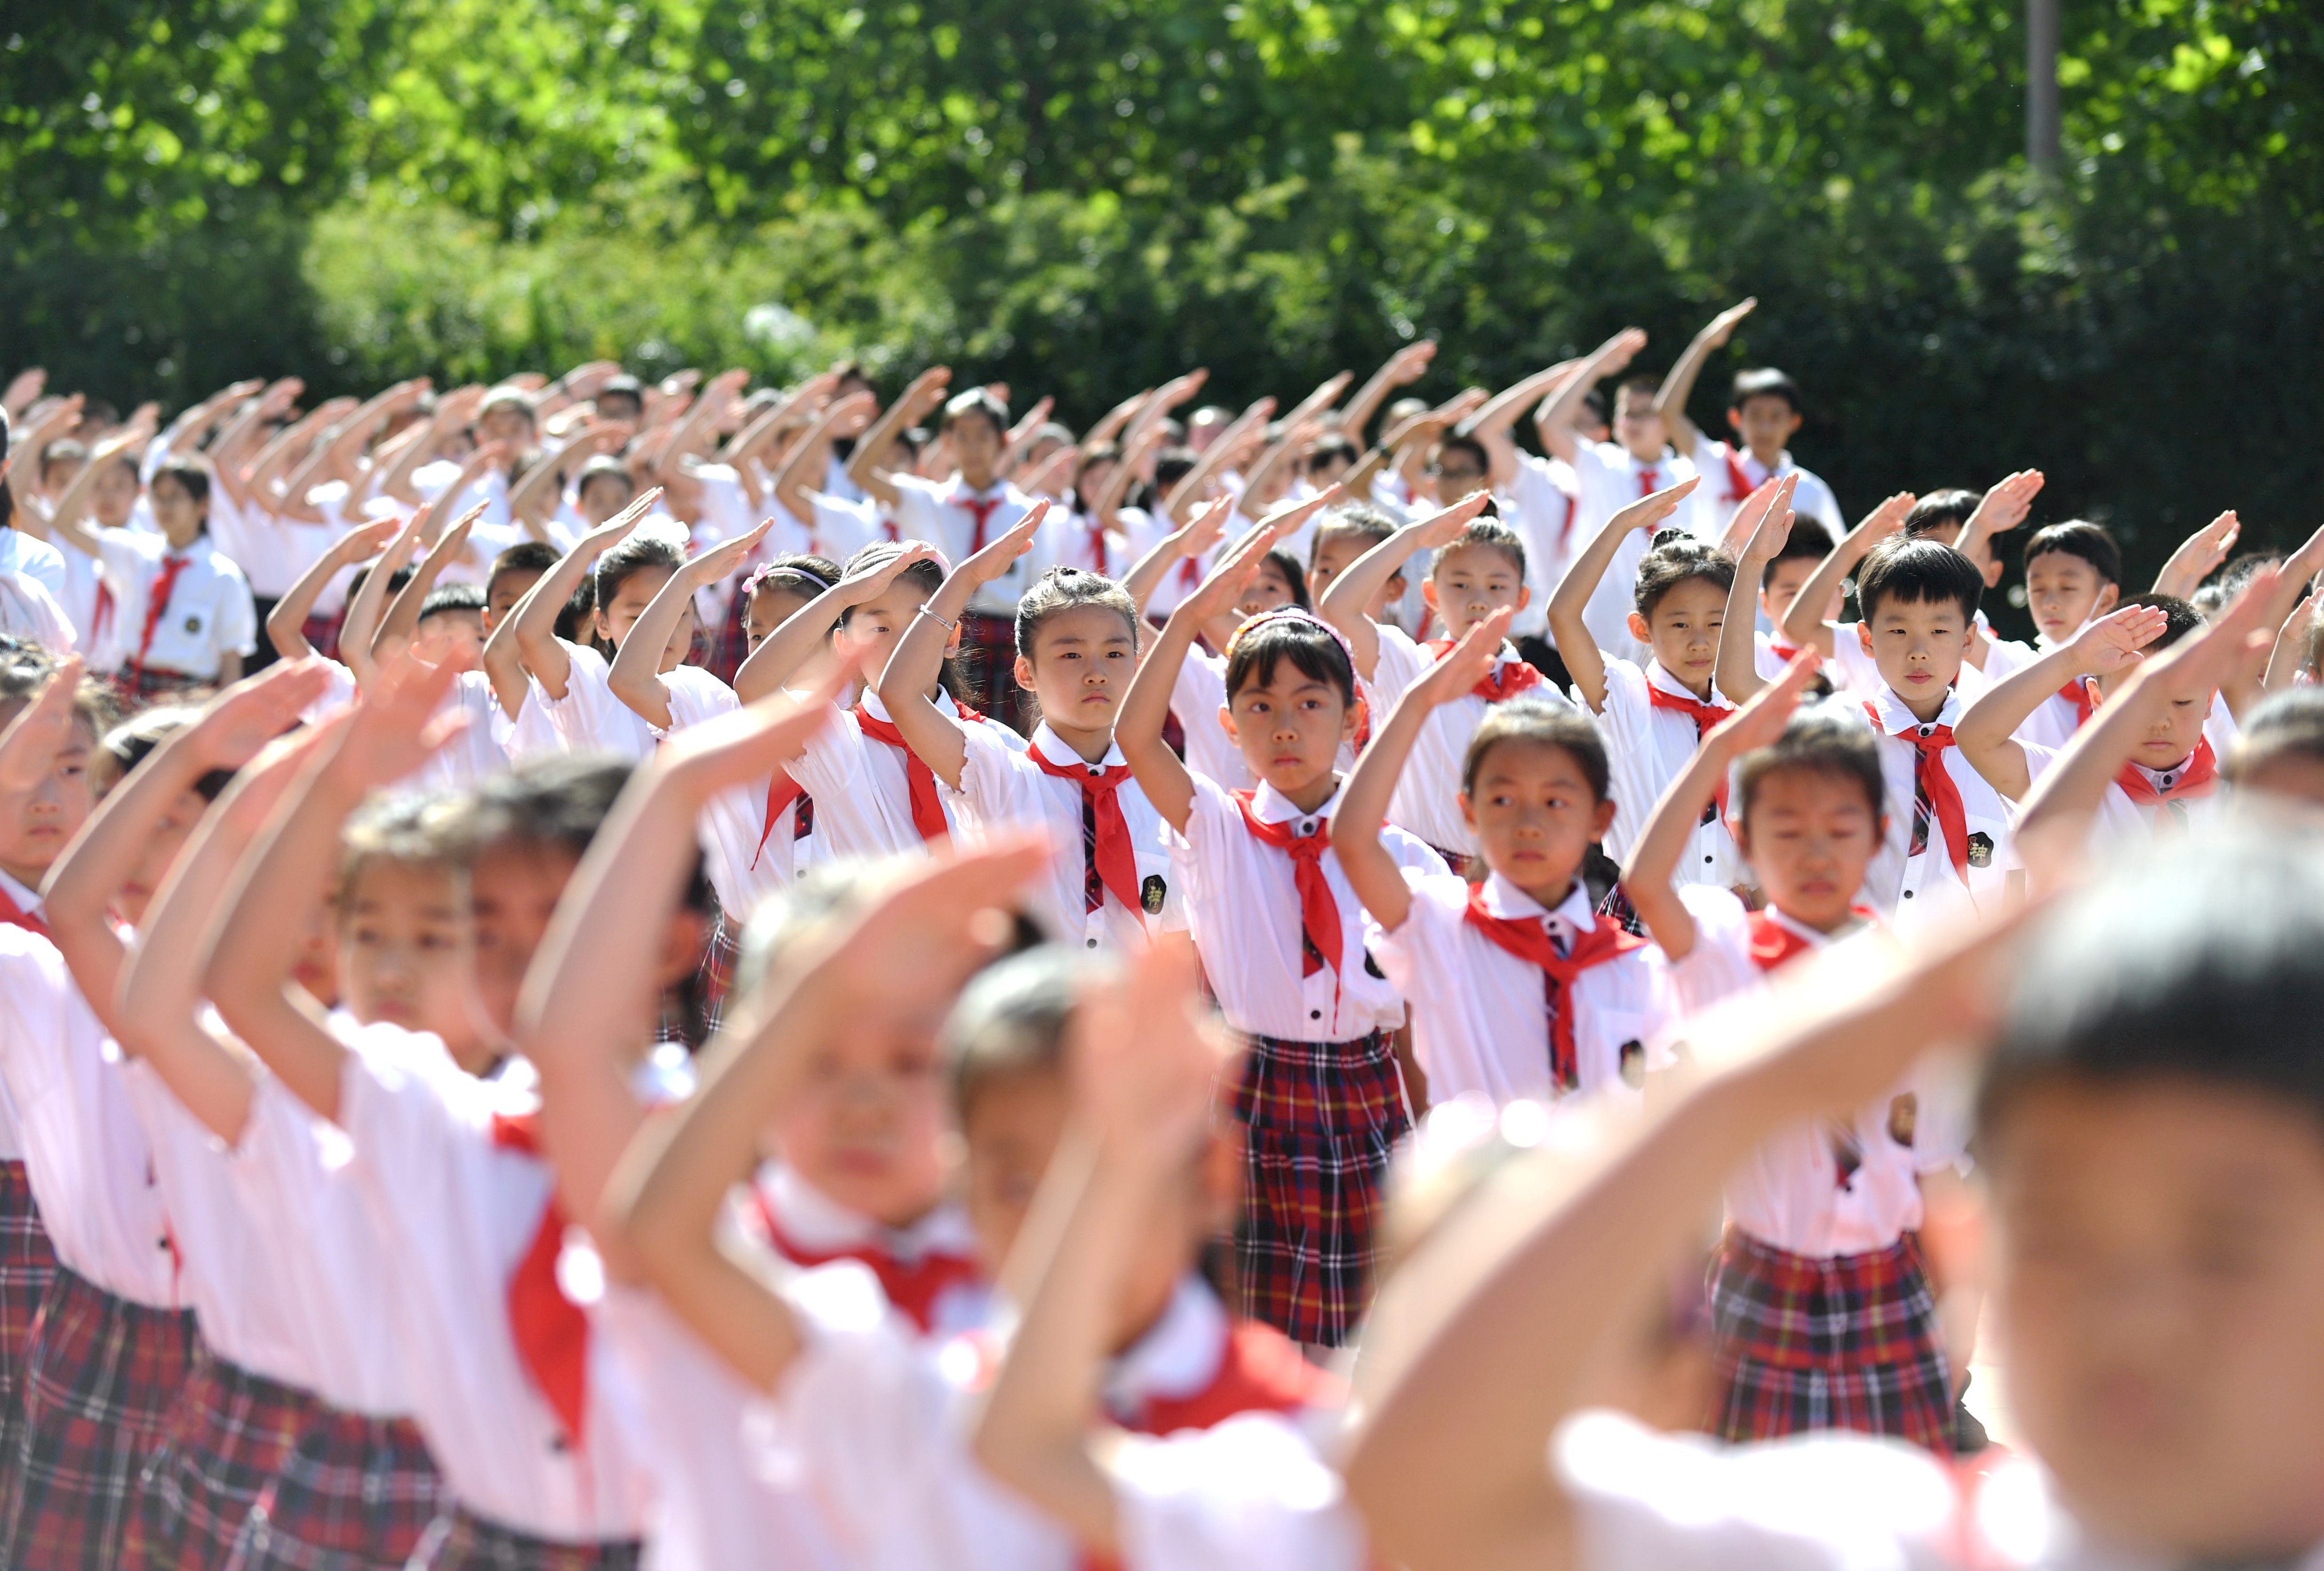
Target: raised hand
{"points": [[1409, 363], [1233, 572], [1722, 326], [23, 388], [2006, 505], [723, 558], [241, 721], [395, 726], [2112, 642], [1440, 530], [1759, 722], [1883, 520], [1762, 521], [995, 559], [2198, 556], [29, 747], [1467, 662], [1617, 353], [871, 583], [1648, 513], [927, 390]]}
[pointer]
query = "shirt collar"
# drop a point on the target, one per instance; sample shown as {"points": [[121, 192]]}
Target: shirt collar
{"points": [[879, 711], [1814, 940], [1179, 1354], [2164, 779], [819, 1224], [1504, 898], [1052, 748], [1658, 677], [1895, 717], [27, 901], [1270, 806]]}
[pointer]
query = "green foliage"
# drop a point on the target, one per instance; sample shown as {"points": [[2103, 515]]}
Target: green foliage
{"points": [[1086, 196]]}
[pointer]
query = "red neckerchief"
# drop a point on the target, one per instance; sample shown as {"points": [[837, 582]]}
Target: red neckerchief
{"points": [[1786, 653], [1738, 483], [914, 1287], [2201, 779], [551, 1331], [1705, 716], [1505, 681], [1647, 481], [2085, 702], [1319, 911], [782, 792], [157, 606], [927, 807], [1933, 781], [14, 916], [1260, 1371], [1773, 943], [981, 509], [1114, 856], [1097, 545], [1527, 938]]}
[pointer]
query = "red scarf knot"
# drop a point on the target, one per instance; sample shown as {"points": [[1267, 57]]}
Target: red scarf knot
{"points": [[1528, 938], [1115, 855], [913, 1288], [1319, 910], [1505, 681], [2201, 780], [1705, 716], [981, 509], [1933, 781]]}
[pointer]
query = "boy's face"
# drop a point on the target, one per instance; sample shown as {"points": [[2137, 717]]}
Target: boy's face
{"points": [[456, 636], [1683, 631], [1810, 834], [1456, 473], [504, 591], [405, 954], [2161, 1249], [1009, 1129], [36, 825], [1290, 727], [2063, 592], [1082, 662], [1637, 426], [1917, 646], [1535, 815], [1783, 586], [1765, 422], [603, 496], [866, 1126], [513, 888], [1470, 583], [2171, 740]]}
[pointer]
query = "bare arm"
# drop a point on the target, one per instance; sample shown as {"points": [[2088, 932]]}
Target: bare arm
{"points": [[803, 467], [1986, 733], [1804, 624], [2197, 557], [1401, 369], [1189, 491], [1567, 631], [1553, 422], [369, 599], [533, 625], [636, 678], [926, 393], [933, 736], [286, 623], [1343, 603], [532, 500], [787, 651], [1679, 386], [1197, 535], [1768, 514], [403, 618]]}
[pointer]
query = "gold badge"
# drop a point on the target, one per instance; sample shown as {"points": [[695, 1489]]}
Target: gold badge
{"points": [[1152, 893]]}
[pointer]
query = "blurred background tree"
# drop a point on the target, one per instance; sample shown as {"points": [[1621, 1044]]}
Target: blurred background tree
{"points": [[1083, 197]]}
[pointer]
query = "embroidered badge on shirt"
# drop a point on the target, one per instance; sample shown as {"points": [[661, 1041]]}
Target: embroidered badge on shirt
{"points": [[1980, 850], [193, 625], [1152, 893]]}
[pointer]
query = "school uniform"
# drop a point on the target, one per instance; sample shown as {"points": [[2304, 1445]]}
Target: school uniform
{"points": [[1646, 1501], [112, 1342], [499, 1352], [1729, 475], [960, 522], [1576, 1013], [88, 606], [30, 613], [1427, 799], [179, 613], [1217, 1471], [1072, 537], [1281, 935], [27, 557], [589, 718], [928, 1270], [1110, 883], [1148, 530], [834, 529], [1948, 852], [1771, 654], [1653, 728], [2141, 804], [28, 1261], [876, 797], [274, 553], [1611, 478], [1823, 1316], [358, 1481], [1544, 505]]}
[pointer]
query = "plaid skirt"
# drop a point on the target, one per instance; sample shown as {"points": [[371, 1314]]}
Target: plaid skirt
{"points": [[27, 1265], [466, 1542], [99, 1382], [1320, 1120], [717, 978], [988, 658], [1471, 868], [322, 632], [1848, 1342], [228, 1432], [356, 1493]]}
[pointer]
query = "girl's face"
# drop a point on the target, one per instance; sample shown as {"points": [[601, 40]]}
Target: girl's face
{"points": [[622, 609], [603, 496], [406, 951], [157, 854], [1082, 662], [867, 1126], [1809, 834], [771, 606], [113, 495], [1288, 728], [1008, 1129], [878, 625], [1683, 631], [175, 511], [36, 824], [1470, 583], [1270, 590], [1535, 815]]}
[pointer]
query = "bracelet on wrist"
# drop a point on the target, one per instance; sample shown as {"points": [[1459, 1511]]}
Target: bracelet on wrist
{"points": [[940, 622]]}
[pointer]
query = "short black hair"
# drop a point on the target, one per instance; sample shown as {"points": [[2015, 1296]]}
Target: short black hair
{"points": [[1820, 739], [1469, 445], [1311, 648], [1644, 382], [2078, 537], [2199, 962], [1327, 449], [1947, 510], [1680, 560], [1360, 519], [976, 401], [1173, 465], [526, 556], [636, 554], [1766, 381], [193, 477], [2179, 618], [1594, 402], [450, 598], [1809, 542], [1491, 533], [2285, 724], [1061, 589], [1530, 718], [1917, 572]]}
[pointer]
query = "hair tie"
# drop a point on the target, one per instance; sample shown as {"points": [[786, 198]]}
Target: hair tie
{"points": [[1290, 614]]}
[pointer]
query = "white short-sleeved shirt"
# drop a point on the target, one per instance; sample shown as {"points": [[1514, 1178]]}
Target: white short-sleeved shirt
{"points": [[1004, 788], [589, 718], [1480, 1015], [1196, 695], [813, 1229], [937, 511], [1427, 799], [1611, 479], [746, 857], [96, 620], [29, 612], [273, 551], [863, 792], [1077, 539], [2118, 815], [1650, 1501], [37, 559], [877, 1419], [457, 1213], [1242, 903], [1715, 499], [476, 752], [1915, 890], [86, 1152], [1647, 748], [1544, 506], [209, 615], [230, 1266], [1789, 1194], [1147, 530]]}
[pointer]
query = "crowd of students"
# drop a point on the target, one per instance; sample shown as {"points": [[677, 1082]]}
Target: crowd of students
{"points": [[596, 975]]}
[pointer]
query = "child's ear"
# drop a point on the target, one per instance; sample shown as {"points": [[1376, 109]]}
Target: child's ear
{"points": [[952, 643], [1639, 629], [1792, 426], [1227, 721], [1735, 421], [1864, 635], [1603, 818], [1428, 593], [2110, 595], [1468, 811], [1525, 596], [1993, 572], [682, 941], [1351, 716], [1024, 671]]}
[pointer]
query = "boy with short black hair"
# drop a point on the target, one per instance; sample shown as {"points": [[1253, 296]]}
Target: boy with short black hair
{"points": [[1763, 411]]}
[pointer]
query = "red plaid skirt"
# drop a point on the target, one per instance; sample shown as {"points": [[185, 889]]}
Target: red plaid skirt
{"points": [[1471, 868], [27, 1265], [988, 661], [1320, 1120], [153, 686], [100, 1379], [228, 1432], [322, 632], [718, 976], [355, 1494], [466, 1542], [1849, 1342]]}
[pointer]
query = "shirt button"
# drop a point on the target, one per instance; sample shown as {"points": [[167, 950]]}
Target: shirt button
{"points": [[1092, 943], [1926, 729], [1707, 859], [1314, 1014], [1908, 894]]}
